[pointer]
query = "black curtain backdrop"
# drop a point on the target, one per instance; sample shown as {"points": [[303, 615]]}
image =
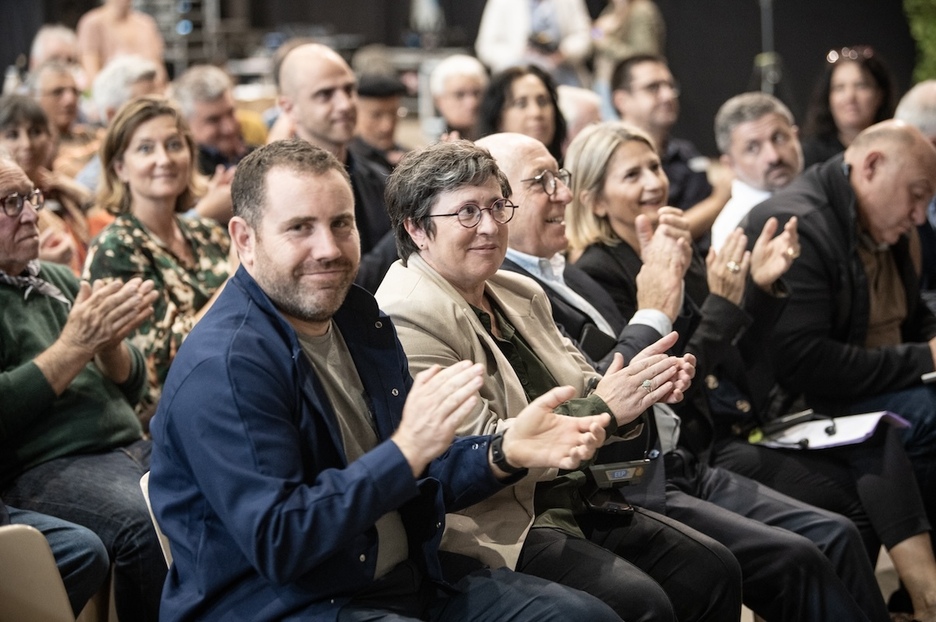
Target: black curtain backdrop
{"points": [[711, 45]]}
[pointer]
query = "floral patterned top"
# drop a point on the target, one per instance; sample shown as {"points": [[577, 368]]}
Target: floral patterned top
{"points": [[126, 249]]}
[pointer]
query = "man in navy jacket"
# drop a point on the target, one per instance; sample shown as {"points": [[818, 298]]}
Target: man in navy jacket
{"points": [[298, 470]]}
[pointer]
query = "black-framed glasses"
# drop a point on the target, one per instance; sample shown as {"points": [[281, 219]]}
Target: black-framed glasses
{"points": [[469, 214], [13, 203], [548, 178]]}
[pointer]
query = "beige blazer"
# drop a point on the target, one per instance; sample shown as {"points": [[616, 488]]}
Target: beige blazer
{"points": [[437, 326]]}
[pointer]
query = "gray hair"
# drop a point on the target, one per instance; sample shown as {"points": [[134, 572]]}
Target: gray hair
{"points": [[918, 108], [54, 67], [113, 85], [249, 188], [743, 108], [201, 83], [47, 34], [423, 174], [456, 65]]}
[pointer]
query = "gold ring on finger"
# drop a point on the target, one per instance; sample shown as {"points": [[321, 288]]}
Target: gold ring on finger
{"points": [[733, 267], [792, 253]]}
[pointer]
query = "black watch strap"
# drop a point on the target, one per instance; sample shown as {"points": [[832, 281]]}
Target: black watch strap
{"points": [[497, 455]]}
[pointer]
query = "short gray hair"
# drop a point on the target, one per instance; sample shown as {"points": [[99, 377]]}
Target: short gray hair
{"points": [[423, 174], [55, 67], [47, 34], [112, 86], [201, 83], [918, 108], [743, 108], [456, 65]]}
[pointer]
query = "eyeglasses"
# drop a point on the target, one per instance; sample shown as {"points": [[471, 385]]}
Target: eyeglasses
{"points": [[469, 215], [13, 203], [547, 179], [853, 53]]}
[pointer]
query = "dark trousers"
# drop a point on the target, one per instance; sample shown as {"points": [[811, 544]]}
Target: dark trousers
{"points": [[102, 492], [798, 562], [871, 483], [646, 566], [918, 406], [485, 595]]}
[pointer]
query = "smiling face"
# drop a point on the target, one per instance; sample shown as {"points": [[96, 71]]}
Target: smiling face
{"points": [[29, 144], [529, 110], [465, 257], [765, 153], [320, 96], [634, 184], [214, 124], [156, 164], [306, 251], [538, 227], [853, 97], [19, 237]]}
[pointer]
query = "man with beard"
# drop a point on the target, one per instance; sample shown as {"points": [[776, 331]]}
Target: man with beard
{"points": [[318, 94], [298, 470], [759, 142]]}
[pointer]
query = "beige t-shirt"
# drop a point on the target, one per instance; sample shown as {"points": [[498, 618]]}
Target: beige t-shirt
{"points": [[332, 362]]}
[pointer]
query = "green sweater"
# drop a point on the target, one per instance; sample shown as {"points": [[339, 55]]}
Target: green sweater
{"points": [[93, 414]]}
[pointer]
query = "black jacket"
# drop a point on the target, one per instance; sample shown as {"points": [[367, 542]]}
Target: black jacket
{"points": [[819, 340]]}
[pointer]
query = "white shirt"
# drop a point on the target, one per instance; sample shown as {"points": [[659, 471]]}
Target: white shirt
{"points": [[743, 199], [551, 270]]}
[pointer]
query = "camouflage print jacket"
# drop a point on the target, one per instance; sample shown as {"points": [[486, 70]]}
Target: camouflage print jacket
{"points": [[126, 249]]}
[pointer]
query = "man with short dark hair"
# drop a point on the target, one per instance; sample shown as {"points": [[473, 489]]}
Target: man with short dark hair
{"points": [[645, 94], [299, 471]]}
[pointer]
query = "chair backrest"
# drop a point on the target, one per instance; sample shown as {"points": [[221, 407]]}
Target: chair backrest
{"points": [[163, 540], [31, 586]]}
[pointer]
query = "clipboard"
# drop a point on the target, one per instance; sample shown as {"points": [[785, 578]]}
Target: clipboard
{"points": [[823, 432]]}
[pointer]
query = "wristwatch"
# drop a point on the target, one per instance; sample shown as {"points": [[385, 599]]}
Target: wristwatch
{"points": [[500, 460]]}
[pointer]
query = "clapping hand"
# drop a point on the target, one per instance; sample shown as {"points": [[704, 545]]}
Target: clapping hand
{"points": [[773, 256], [541, 438]]}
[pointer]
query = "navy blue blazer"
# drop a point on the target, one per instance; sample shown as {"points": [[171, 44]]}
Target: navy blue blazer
{"points": [[266, 517]]}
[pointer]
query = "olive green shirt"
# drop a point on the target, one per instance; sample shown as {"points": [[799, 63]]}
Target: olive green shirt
{"points": [[559, 501]]}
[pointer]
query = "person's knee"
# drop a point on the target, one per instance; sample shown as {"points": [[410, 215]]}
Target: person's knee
{"points": [[94, 559]]}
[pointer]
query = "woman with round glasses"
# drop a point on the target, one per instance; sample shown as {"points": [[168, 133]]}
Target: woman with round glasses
{"points": [[449, 301], [856, 90], [148, 159], [524, 100]]}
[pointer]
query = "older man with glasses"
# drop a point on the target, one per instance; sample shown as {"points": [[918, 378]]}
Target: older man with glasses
{"points": [[536, 243], [70, 443]]}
